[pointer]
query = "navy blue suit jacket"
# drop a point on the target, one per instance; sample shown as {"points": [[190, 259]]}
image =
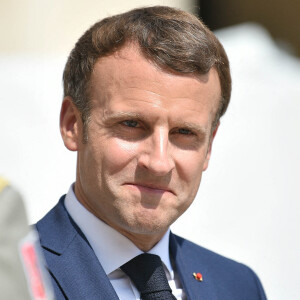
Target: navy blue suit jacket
{"points": [[77, 274]]}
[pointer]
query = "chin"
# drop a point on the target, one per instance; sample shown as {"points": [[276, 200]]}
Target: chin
{"points": [[148, 224], [148, 229]]}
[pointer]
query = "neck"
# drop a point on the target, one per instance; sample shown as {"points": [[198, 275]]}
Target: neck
{"points": [[145, 242]]}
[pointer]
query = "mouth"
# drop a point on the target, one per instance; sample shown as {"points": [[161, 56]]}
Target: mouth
{"points": [[150, 188]]}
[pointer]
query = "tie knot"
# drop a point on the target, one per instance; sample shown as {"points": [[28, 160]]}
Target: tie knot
{"points": [[147, 273]]}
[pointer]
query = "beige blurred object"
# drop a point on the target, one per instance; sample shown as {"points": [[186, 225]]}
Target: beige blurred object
{"points": [[13, 227], [51, 27]]}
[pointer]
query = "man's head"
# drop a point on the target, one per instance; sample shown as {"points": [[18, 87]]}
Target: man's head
{"points": [[148, 97], [172, 39]]}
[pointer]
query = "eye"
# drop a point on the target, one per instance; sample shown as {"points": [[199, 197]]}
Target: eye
{"points": [[130, 123], [185, 131]]}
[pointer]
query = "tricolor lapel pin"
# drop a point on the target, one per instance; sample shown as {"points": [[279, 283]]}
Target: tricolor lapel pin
{"points": [[198, 276]]}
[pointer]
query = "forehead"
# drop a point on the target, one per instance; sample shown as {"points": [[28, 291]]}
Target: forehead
{"points": [[127, 74]]}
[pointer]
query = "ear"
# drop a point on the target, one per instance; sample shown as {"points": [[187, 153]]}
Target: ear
{"points": [[70, 124], [205, 166]]}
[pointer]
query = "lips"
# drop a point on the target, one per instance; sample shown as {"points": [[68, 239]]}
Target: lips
{"points": [[151, 188]]}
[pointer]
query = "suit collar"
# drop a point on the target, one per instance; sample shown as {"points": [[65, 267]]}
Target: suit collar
{"points": [[68, 252]]}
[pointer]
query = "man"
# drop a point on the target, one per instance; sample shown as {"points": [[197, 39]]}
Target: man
{"points": [[143, 95]]}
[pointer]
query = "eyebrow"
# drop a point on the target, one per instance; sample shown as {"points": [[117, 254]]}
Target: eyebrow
{"points": [[116, 116]]}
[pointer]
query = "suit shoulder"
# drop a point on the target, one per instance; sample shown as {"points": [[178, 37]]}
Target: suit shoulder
{"points": [[55, 229], [224, 277], [220, 268]]}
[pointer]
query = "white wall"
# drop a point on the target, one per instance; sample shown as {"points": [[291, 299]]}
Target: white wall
{"points": [[248, 204]]}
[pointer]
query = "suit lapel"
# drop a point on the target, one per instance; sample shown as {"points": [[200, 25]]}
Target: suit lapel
{"points": [[71, 260], [188, 262]]}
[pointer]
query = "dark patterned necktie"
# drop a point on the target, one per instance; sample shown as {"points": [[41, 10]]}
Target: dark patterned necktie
{"points": [[147, 273]]}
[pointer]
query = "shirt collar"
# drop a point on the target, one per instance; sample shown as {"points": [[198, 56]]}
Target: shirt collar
{"points": [[117, 249]]}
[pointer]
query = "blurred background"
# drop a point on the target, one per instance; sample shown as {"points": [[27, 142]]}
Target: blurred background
{"points": [[248, 205]]}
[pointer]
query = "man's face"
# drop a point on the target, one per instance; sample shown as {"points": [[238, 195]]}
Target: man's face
{"points": [[149, 139]]}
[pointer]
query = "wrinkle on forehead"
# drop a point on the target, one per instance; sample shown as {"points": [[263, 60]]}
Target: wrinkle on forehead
{"points": [[131, 53], [112, 79]]}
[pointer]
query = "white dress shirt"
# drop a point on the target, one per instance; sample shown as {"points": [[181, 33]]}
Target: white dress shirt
{"points": [[117, 250]]}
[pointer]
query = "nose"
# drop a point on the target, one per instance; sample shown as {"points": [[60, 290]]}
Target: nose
{"points": [[155, 155]]}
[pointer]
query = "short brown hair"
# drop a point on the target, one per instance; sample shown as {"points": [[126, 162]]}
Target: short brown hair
{"points": [[172, 39]]}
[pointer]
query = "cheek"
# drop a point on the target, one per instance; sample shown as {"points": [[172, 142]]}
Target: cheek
{"points": [[191, 165], [118, 154], [190, 168]]}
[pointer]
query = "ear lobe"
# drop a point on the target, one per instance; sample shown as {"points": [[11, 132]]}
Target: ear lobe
{"points": [[205, 166], [70, 124]]}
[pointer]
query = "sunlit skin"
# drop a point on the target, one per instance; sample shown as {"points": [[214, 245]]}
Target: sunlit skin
{"points": [[149, 140]]}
